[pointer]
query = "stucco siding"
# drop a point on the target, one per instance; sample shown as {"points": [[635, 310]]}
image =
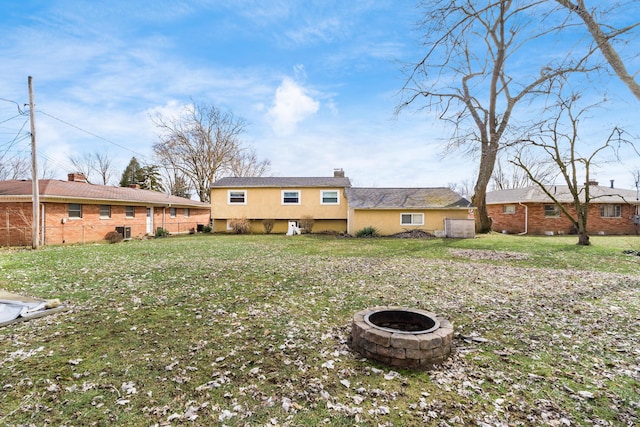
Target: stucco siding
{"points": [[387, 222]]}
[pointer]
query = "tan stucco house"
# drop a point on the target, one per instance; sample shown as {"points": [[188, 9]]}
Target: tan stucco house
{"points": [[530, 211], [334, 205], [75, 211]]}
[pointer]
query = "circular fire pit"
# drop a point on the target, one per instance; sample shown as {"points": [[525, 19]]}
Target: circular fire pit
{"points": [[402, 337]]}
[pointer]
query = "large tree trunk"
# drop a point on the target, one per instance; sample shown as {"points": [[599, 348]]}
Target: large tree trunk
{"points": [[583, 239], [487, 163]]}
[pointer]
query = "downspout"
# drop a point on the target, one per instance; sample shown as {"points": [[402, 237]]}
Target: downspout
{"points": [[526, 219], [42, 222]]}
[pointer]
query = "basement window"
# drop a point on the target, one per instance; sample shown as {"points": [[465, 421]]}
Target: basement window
{"points": [[75, 210], [411, 219], [610, 211]]}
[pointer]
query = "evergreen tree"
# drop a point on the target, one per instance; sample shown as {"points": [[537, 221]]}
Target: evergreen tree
{"points": [[132, 174]]}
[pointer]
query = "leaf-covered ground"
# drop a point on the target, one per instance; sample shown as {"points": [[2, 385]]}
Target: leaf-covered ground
{"points": [[253, 330]]}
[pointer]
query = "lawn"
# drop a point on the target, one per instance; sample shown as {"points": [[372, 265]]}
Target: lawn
{"points": [[253, 330]]}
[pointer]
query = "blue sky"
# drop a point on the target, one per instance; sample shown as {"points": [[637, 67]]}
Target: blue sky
{"points": [[317, 82]]}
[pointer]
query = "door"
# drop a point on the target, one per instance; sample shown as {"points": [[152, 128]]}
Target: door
{"points": [[149, 220]]}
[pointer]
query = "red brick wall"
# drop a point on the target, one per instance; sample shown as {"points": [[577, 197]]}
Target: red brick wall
{"points": [[15, 224], [539, 224]]}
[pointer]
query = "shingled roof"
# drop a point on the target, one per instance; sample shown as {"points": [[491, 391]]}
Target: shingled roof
{"points": [[405, 198], [52, 190], [277, 182], [534, 194]]}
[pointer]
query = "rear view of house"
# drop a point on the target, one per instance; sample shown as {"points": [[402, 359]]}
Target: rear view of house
{"points": [[280, 201], [76, 211]]}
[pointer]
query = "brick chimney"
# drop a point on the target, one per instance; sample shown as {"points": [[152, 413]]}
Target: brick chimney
{"points": [[136, 186], [77, 177], [338, 173]]}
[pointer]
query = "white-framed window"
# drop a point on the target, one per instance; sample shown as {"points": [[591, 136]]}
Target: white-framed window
{"points": [[237, 197], [329, 197], [187, 213], [290, 197], [551, 211], [75, 210], [610, 211], [105, 211], [411, 219], [508, 209], [130, 211], [173, 212]]}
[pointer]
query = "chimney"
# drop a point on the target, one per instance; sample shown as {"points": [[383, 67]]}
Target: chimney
{"points": [[611, 180], [591, 182], [77, 177], [136, 186], [338, 173]]}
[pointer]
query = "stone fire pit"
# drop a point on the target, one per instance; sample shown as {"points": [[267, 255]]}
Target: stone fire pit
{"points": [[402, 337]]}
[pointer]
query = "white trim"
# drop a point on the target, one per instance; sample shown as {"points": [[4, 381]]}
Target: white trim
{"points": [[290, 191], [412, 218], [337, 202], [229, 202]]}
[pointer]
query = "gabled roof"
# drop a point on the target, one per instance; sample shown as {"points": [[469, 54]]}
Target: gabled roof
{"points": [[51, 190], [534, 194], [277, 182], [405, 198]]}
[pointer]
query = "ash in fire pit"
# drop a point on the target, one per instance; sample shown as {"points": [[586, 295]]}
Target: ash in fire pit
{"points": [[402, 337]]}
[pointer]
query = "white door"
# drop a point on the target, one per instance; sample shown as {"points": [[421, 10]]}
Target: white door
{"points": [[149, 220]]}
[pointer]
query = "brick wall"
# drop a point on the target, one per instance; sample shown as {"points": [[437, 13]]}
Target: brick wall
{"points": [[538, 223], [15, 223]]}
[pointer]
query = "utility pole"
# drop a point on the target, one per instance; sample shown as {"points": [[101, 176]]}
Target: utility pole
{"points": [[35, 224]]}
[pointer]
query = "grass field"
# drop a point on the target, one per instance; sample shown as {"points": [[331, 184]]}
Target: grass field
{"points": [[253, 330]]}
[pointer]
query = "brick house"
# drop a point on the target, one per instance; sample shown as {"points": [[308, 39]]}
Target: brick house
{"points": [[75, 211], [612, 211]]}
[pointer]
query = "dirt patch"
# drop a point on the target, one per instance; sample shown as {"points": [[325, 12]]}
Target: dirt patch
{"points": [[413, 234], [478, 254]]}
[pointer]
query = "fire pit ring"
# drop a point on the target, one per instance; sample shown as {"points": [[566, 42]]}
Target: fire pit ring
{"points": [[402, 337]]}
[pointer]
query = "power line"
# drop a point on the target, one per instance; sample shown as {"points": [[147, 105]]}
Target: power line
{"points": [[92, 134]]}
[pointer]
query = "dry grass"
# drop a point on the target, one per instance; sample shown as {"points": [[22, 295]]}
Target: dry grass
{"points": [[252, 330]]}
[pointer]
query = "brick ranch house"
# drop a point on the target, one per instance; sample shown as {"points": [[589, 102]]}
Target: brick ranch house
{"points": [[75, 211], [612, 211]]}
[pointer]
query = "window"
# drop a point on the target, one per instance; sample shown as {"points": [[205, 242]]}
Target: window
{"points": [[105, 211], [610, 211], [412, 219], [329, 197], [508, 209], [291, 197], [237, 197], [130, 211], [75, 210], [172, 212], [186, 213], [551, 211]]}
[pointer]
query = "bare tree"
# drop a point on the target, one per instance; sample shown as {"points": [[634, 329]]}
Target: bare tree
{"points": [[14, 168], [200, 144], [84, 164], [464, 188], [102, 166], [510, 176], [559, 141], [604, 34], [477, 69], [246, 163]]}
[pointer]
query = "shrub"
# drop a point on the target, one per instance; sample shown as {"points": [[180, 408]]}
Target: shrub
{"points": [[268, 225], [367, 232], [306, 223], [240, 225], [113, 237], [161, 232], [192, 230], [206, 229]]}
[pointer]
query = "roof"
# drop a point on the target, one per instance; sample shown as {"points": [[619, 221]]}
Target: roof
{"points": [[52, 189], [534, 194], [405, 198], [270, 182]]}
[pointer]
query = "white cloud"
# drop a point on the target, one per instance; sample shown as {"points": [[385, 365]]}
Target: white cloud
{"points": [[291, 105]]}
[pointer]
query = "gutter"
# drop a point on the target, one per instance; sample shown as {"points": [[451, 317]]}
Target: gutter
{"points": [[526, 219]]}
